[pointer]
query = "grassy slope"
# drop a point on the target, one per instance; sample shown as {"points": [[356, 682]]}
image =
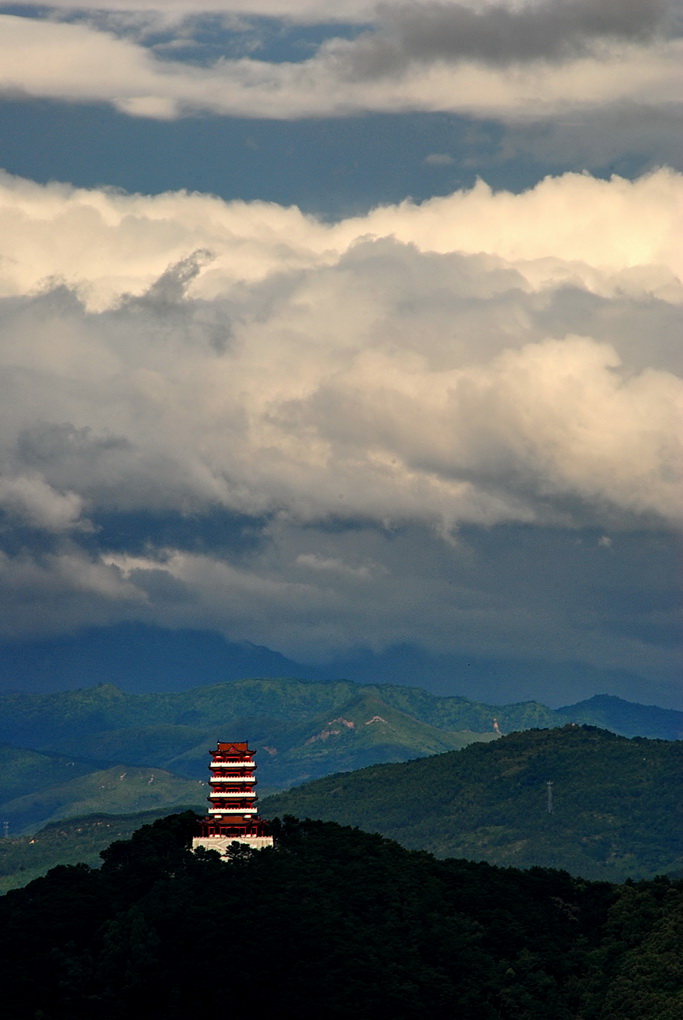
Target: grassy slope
{"points": [[616, 802], [118, 790], [21, 769]]}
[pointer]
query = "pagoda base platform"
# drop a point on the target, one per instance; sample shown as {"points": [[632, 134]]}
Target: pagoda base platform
{"points": [[223, 843]]}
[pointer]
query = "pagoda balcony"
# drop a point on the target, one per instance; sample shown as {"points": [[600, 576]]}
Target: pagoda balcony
{"points": [[232, 779], [233, 765], [234, 811], [232, 795]]}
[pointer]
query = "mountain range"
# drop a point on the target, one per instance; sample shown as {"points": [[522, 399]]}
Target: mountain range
{"points": [[103, 749]]}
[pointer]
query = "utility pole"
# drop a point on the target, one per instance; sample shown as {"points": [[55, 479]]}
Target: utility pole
{"points": [[549, 784], [5, 829]]}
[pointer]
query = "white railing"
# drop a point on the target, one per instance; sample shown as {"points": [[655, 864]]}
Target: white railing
{"points": [[233, 765], [248, 813], [222, 843], [231, 795], [232, 779]]}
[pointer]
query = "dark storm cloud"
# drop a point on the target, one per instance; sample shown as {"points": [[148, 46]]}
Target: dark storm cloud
{"points": [[499, 35]]}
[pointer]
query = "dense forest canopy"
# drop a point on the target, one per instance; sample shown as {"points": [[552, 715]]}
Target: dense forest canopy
{"points": [[334, 922]]}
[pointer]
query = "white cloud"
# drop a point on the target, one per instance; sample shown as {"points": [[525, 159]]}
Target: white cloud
{"points": [[484, 360], [82, 63], [410, 376], [607, 236]]}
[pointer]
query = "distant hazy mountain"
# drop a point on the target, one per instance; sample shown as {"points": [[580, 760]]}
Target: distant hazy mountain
{"points": [[625, 717], [140, 657], [136, 657], [613, 809]]}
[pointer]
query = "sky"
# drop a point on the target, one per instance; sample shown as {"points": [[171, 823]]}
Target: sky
{"points": [[353, 335]]}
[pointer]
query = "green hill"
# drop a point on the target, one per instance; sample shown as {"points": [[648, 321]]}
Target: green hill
{"points": [[21, 770], [39, 788], [616, 803]]}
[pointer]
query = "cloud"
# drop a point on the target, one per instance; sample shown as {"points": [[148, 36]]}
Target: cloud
{"points": [[28, 497], [57, 592], [653, 135], [605, 236], [313, 561], [514, 592], [500, 34], [423, 360], [439, 159], [311, 11], [381, 396], [500, 61]]}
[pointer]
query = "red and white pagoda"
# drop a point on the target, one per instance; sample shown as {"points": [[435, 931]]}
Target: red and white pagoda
{"points": [[233, 815]]}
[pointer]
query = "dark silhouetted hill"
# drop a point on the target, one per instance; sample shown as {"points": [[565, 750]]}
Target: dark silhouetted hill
{"points": [[333, 922]]}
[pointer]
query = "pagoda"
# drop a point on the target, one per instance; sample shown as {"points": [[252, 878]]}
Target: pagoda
{"points": [[233, 815]]}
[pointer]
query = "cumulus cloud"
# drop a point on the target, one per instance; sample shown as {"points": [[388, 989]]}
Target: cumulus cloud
{"points": [[501, 61], [368, 390]]}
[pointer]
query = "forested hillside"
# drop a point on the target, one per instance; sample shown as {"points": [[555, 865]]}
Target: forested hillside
{"points": [[616, 807], [65, 753], [334, 923]]}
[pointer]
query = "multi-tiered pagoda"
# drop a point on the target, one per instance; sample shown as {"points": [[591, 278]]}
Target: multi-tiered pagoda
{"points": [[233, 815]]}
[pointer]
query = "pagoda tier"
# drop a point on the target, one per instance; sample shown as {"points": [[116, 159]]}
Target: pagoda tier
{"points": [[232, 815]]}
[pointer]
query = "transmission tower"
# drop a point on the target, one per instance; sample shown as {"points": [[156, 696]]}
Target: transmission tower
{"points": [[549, 784]]}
